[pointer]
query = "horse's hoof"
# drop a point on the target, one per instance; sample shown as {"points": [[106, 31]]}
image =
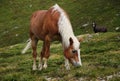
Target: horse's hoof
{"points": [[67, 67], [44, 66], [34, 68], [40, 67]]}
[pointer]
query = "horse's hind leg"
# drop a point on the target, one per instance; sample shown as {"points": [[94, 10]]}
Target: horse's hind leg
{"points": [[34, 47], [45, 53]]}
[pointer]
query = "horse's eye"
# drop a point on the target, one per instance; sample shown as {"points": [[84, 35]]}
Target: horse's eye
{"points": [[74, 51]]}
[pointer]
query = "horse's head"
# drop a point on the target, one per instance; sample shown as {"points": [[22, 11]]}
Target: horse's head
{"points": [[72, 53]]}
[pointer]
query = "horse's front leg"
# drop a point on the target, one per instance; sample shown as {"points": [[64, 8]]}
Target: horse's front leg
{"points": [[45, 53], [42, 62], [67, 66]]}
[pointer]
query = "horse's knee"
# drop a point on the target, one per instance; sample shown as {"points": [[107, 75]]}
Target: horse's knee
{"points": [[45, 55]]}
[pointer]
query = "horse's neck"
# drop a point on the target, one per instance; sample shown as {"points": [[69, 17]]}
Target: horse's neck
{"points": [[65, 30], [65, 41], [65, 33], [64, 26]]}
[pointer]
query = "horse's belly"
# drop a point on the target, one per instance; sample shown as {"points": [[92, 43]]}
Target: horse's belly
{"points": [[56, 38]]}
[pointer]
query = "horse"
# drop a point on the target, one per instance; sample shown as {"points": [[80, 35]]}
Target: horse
{"points": [[50, 25]]}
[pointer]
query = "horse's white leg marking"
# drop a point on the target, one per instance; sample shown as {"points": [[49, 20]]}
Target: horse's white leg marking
{"points": [[67, 64], [34, 65], [45, 63], [40, 66], [79, 58]]}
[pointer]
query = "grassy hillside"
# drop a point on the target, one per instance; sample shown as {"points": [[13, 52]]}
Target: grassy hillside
{"points": [[15, 16], [100, 58]]}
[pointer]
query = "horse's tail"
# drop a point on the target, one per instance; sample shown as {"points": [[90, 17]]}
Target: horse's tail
{"points": [[27, 46]]}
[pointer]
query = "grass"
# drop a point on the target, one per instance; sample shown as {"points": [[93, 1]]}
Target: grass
{"points": [[100, 55], [100, 58], [15, 16]]}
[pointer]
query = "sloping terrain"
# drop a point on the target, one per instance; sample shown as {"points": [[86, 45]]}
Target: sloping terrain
{"points": [[15, 16], [100, 55]]}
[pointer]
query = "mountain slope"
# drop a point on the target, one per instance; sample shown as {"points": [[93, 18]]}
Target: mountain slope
{"points": [[15, 16], [100, 61]]}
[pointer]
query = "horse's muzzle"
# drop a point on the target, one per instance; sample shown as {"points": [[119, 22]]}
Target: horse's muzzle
{"points": [[77, 64]]}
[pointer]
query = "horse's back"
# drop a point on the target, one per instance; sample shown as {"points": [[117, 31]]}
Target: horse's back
{"points": [[44, 22], [37, 18], [36, 22]]}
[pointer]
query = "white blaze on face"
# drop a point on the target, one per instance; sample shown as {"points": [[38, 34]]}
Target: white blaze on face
{"points": [[79, 58], [77, 63], [76, 47]]}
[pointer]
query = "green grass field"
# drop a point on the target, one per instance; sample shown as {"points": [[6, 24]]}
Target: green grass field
{"points": [[100, 58], [15, 16], [100, 54]]}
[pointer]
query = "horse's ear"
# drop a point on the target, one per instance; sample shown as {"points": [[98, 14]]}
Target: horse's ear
{"points": [[71, 41]]}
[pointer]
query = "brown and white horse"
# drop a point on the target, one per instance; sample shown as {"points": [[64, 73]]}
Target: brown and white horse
{"points": [[49, 25]]}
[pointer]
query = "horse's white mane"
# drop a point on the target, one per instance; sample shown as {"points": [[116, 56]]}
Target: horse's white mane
{"points": [[65, 28]]}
